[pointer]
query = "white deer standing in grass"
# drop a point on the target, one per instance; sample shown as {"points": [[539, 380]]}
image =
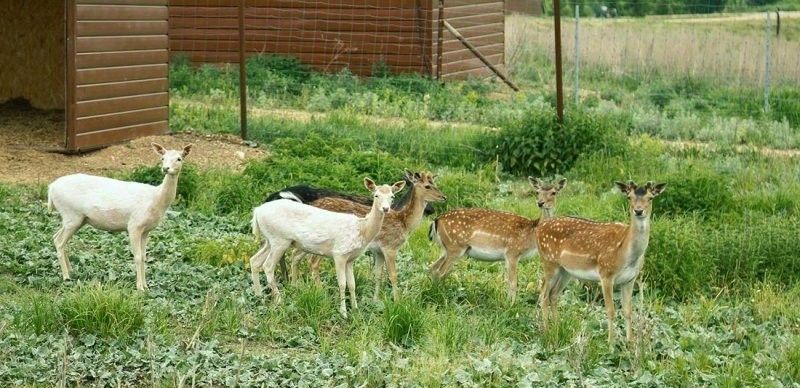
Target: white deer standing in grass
{"points": [[611, 253], [343, 237], [113, 205]]}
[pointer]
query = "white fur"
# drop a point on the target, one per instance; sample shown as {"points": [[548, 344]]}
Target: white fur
{"points": [[114, 205], [341, 236]]}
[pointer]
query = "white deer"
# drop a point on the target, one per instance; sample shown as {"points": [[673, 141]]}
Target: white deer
{"points": [[341, 236], [113, 205], [611, 253]]}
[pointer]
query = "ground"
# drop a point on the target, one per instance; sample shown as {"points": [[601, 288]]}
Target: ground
{"points": [[29, 150]]}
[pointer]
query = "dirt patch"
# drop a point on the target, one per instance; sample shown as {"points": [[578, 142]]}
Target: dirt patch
{"points": [[28, 136]]}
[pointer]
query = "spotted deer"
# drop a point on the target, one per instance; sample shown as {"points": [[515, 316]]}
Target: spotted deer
{"points": [[397, 226], [611, 253], [491, 235]]}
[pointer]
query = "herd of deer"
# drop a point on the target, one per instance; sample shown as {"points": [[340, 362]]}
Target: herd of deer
{"points": [[326, 223]]}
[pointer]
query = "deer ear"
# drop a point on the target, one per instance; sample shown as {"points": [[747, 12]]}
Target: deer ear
{"points": [[398, 186], [186, 150], [535, 182], [623, 187], [561, 183], [408, 175], [658, 189], [158, 148], [369, 184]]}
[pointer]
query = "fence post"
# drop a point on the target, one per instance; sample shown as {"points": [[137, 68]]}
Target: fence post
{"points": [[577, 53], [767, 50], [559, 74], [439, 41], [242, 73]]}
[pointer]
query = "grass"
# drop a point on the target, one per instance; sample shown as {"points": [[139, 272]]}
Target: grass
{"points": [[718, 303]]}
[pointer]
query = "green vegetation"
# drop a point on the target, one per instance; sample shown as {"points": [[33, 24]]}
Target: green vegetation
{"points": [[719, 304]]}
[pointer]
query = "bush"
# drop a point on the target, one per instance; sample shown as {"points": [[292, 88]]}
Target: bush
{"points": [[102, 310], [152, 175], [697, 190], [538, 145], [221, 251], [403, 322]]}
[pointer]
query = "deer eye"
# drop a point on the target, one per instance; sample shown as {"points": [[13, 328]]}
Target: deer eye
{"points": [[180, 159], [427, 186]]}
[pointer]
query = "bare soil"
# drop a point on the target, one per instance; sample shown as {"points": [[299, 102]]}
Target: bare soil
{"points": [[29, 137]]}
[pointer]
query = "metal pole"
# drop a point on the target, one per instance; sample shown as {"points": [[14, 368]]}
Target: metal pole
{"points": [[242, 73], [577, 53], [768, 34], [559, 81]]}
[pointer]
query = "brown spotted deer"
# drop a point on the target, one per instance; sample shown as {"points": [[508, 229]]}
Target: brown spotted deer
{"points": [[611, 253], [491, 235], [397, 227]]}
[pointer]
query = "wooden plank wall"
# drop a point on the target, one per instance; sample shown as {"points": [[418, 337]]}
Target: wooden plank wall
{"points": [[326, 34], [121, 70], [482, 22]]}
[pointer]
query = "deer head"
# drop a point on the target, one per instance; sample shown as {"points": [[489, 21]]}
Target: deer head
{"points": [[425, 186], [641, 198], [171, 160], [546, 194], [383, 194]]}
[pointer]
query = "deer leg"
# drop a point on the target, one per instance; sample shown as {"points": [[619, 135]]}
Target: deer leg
{"points": [[548, 278], [608, 297], [316, 260], [298, 256], [351, 284], [450, 259], [135, 236], [377, 272], [256, 263], [61, 238], [560, 281], [341, 278], [275, 255], [511, 276], [143, 263], [391, 266], [627, 295]]}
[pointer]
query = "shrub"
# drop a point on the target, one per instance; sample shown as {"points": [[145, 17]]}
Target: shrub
{"points": [[537, 144], [102, 310], [403, 323], [221, 251], [38, 313], [697, 189], [152, 175]]}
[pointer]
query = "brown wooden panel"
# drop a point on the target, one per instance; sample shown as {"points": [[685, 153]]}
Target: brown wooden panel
{"points": [[299, 24], [476, 20], [121, 104], [469, 64], [111, 136], [480, 72], [312, 58], [120, 89], [119, 74], [121, 28], [121, 43], [102, 12], [300, 4], [121, 58], [468, 10], [293, 47], [295, 36], [295, 13], [458, 55], [123, 2], [123, 119]]}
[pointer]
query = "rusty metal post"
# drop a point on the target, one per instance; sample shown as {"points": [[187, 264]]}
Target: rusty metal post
{"points": [[559, 80], [242, 73]]}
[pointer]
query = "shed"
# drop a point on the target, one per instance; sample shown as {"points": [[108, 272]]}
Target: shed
{"points": [[330, 35], [102, 64]]}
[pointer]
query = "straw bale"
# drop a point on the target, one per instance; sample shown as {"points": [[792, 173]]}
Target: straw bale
{"points": [[32, 52]]}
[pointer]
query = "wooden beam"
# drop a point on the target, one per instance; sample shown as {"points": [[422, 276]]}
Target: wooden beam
{"points": [[440, 42], [480, 56], [242, 73]]}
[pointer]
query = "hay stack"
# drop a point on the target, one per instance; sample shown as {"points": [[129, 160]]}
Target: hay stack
{"points": [[32, 52]]}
